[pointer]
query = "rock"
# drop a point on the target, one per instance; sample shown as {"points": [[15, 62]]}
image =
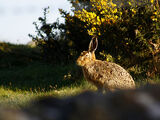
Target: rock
{"points": [[138, 104]]}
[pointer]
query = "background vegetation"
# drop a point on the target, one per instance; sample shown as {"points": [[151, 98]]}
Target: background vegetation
{"points": [[25, 75], [128, 34]]}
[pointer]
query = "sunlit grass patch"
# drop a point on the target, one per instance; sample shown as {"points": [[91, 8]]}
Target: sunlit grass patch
{"points": [[21, 98]]}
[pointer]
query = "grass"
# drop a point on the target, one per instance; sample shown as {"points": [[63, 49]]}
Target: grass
{"points": [[20, 84], [16, 55], [20, 98], [25, 76]]}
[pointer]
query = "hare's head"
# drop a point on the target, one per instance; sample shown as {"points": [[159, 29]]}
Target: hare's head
{"points": [[88, 56]]}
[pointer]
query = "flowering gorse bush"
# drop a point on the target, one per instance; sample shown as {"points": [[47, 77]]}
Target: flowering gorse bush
{"points": [[124, 28], [104, 12], [101, 12], [128, 32]]}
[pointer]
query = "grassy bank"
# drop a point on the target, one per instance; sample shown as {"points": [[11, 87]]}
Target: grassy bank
{"points": [[24, 75], [19, 84]]}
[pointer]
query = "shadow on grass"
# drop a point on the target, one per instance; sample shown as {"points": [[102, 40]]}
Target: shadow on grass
{"points": [[23, 69], [142, 79], [40, 77]]}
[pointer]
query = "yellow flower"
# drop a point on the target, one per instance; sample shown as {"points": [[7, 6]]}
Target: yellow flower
{"points": [[130, 3], [102, 19], [116, 17], [114, 11], [155, 13], [113, 5], [103, 12], [108, 15], [93, 29], [133, 11], [152, 1], [153, 18], [120, 13], [107, 59]]}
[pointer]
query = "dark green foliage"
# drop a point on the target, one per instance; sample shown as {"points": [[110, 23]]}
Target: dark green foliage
{"points": [[128, 41], [76, 33], [22, 68], [51, 40], [80, 4], [40, 77], [17, 55]]}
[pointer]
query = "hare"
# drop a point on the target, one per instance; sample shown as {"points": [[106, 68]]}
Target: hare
{"points": [[104, 75]]}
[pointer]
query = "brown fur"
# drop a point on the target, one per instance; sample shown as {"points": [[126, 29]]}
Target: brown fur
{"points": [[103, 74]]}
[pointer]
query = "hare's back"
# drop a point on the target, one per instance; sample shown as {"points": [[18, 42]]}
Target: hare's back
{"points": [[119, 77], [111, 74], [110, 69]]}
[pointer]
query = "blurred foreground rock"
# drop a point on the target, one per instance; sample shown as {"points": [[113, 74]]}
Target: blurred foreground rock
{"points": [[140, 104]]}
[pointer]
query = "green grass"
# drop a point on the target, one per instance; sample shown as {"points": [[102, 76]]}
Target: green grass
{"points": [[20, 84], [21, 98], [16, 55], [25, 76], [35, 76], [39, 77]]}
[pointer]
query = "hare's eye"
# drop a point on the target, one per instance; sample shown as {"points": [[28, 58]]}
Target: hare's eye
{"points": [[86, 55]]}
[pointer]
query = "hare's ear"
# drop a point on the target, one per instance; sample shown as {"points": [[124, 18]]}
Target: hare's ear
{"points": [[93, 45]]}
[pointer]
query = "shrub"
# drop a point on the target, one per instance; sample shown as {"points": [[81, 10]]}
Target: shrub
{"points": [[51, 40], [125, 29], [127, 32]]}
